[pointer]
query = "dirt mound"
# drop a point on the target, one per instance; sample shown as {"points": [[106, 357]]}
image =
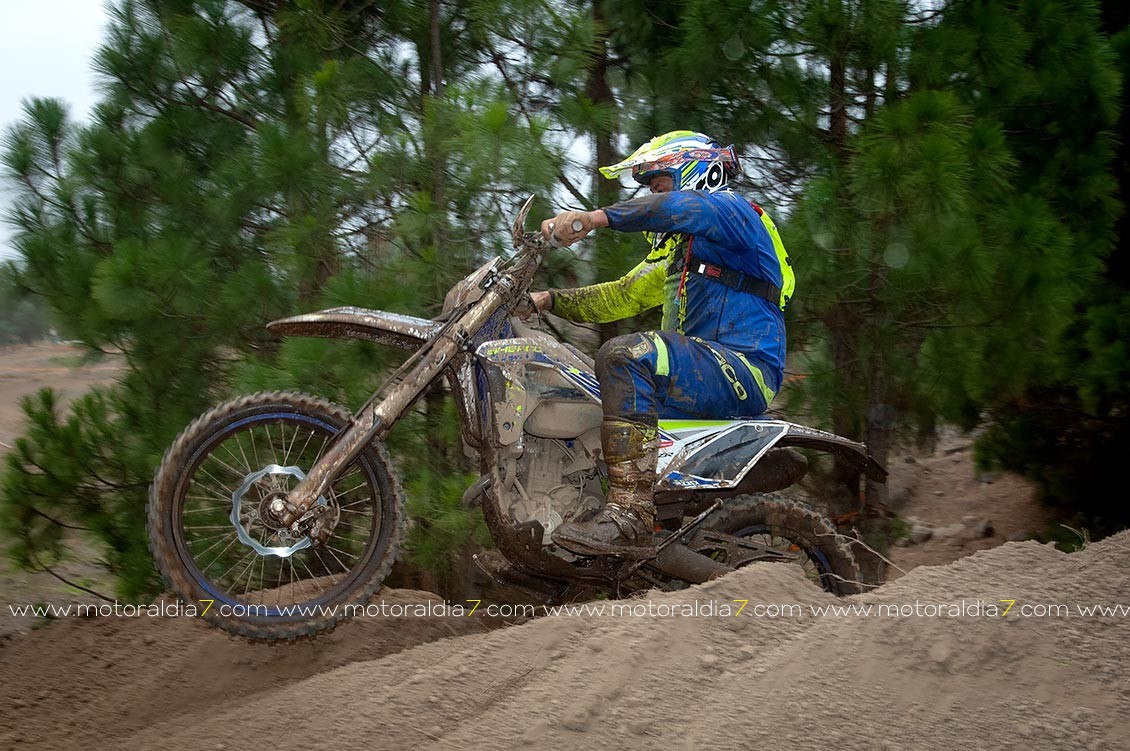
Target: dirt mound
{"points": [[687, 676], [958, 676], [943, 492], [89, 682]]}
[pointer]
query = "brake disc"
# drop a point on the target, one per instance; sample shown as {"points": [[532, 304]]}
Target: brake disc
{"points": [[322, 515]]}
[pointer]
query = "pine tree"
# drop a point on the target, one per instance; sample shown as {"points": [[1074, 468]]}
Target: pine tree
{"points": [[888, 133], [248, 160], [1055, 392], [872, 175]]}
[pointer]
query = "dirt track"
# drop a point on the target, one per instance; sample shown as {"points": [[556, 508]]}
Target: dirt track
{"points": [[610, 682], [92, 682], [617, 682]]}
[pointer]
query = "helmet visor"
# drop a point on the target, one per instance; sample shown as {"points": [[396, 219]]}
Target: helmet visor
{"points": [[646, 165]]}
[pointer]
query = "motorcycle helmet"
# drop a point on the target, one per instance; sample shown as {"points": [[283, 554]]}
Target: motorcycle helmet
{"points": [[693, 161]]}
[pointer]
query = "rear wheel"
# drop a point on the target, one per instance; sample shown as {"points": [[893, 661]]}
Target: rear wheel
{"points": [[212, 528], [792, 532]]}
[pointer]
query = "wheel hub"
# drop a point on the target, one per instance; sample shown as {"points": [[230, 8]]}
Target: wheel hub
{"points": [[269, 511]]}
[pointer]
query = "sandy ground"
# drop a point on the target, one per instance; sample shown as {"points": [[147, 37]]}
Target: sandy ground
{"points": [[25, 369], [669, 680], [947, 678], [943, 489]]}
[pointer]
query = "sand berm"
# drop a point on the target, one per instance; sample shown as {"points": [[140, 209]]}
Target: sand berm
{"points": [[889, 680]]}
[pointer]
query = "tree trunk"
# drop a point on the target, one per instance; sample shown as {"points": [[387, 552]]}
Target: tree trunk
{"points": [[853, 509], [843, 323], [435, 66], [606, 192]]}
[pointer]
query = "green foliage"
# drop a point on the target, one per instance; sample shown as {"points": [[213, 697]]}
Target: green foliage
{"points": [[952, 205], [246, 162], [1060, 418], [942, 180], [82, 457], [446, 528]]}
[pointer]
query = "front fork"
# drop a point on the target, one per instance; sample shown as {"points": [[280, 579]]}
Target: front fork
{"points": [[374, 420]]}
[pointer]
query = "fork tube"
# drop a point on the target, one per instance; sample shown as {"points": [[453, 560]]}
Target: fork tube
{"points": [[376, 419]]}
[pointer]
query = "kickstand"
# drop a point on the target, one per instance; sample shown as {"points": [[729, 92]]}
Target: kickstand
{"points": [[678, 535]]}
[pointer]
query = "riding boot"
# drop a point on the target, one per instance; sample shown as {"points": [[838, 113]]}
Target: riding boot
{"points": [[624, 527]]}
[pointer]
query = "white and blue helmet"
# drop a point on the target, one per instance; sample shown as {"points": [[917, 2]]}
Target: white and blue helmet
{"points": [[693, 160]]}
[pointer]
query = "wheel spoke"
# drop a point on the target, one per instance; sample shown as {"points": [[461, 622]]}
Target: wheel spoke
{"points": [[246, 469], [302, 450], [278, 583], [237, 564], [331, 549], [204, 538], [313, 578], [294, 576], [355, 503], [270, 441], [208, 549], [287, 449], [239, 445], [250, 573], [216, 560], [228, 557], [347, 492], [254, 448], [213, 478]]}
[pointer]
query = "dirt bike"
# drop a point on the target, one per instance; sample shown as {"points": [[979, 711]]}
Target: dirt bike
{"points": [[275, 513]]}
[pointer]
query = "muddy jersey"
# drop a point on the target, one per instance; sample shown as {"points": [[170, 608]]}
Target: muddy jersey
{"points": [[719, 229]]}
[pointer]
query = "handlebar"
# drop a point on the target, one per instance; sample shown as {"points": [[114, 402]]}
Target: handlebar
{"points": [[577, 225], [532, 247]]}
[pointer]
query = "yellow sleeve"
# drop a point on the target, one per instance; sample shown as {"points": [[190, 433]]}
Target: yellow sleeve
{"points": [[638, 290]]}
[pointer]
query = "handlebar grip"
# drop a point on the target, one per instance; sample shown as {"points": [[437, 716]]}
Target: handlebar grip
{"points": [[577, 225]]}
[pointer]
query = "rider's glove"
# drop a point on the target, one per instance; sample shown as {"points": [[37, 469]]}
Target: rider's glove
{"points": [[567, 227]]}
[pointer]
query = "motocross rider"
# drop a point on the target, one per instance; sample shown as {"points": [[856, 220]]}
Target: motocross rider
{"points": [[719, 269]]}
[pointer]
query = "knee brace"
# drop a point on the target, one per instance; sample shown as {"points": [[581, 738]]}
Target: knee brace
{"points": [[626, 367]]}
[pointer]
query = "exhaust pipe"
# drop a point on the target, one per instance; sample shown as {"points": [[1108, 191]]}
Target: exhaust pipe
{"points": [[679, 561]]}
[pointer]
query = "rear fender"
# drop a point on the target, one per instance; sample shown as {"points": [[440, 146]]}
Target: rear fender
{"points": [[720, 457], [801, 436], [392, 329]]}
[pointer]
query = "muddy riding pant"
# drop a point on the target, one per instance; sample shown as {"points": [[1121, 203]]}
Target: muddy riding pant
{"points": [[657, 375]]}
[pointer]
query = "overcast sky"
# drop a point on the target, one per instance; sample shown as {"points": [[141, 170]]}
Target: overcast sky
{"points": [[46, 48]]}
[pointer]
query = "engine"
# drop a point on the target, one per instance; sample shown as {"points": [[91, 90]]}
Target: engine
{"points": [[557, 481]]}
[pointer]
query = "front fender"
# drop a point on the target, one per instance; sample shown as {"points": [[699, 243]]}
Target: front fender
{"points": [[393, 329]]}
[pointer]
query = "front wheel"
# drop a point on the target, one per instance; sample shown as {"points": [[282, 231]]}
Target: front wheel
{"points": [[211, 528], [792, 533]]}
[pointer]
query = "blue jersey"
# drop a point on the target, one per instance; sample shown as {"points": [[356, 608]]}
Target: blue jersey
{"points": [[719, 228]]}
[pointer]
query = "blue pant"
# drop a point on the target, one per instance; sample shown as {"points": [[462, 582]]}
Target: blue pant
{"points": [[663, 375]]}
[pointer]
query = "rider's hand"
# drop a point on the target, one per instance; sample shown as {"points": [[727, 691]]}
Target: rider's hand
{"points": [[538, 302], [570, 226], [542, 300]]}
